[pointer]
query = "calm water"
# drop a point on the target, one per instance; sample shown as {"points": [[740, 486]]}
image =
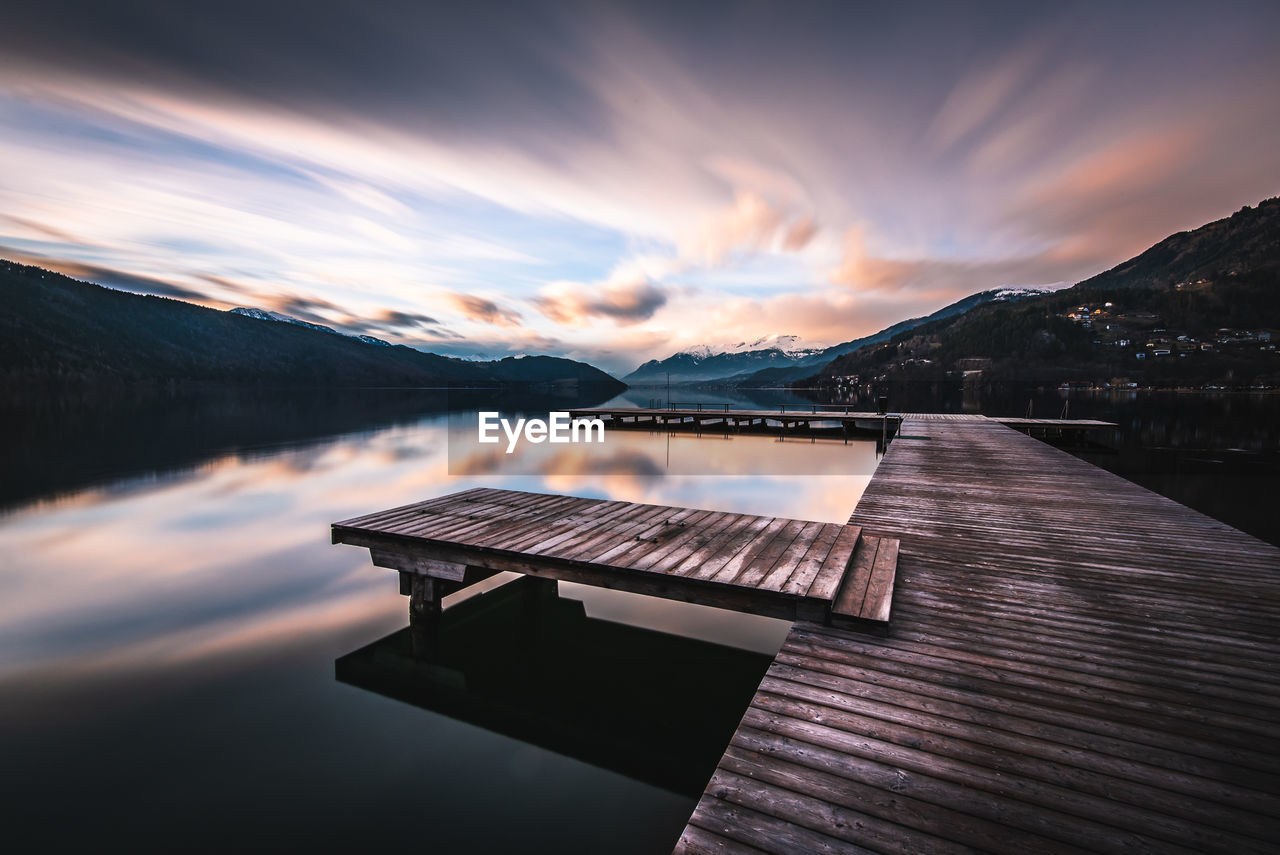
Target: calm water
{"points": [[171, 613], [186, 663]]}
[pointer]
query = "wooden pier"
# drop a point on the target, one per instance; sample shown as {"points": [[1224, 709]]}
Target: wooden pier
{"points": [[711, 418], [783, 568], [1076, 664]]}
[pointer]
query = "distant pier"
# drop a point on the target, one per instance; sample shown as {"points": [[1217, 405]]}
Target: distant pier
{"points": [[804, 420], [722, 418]]}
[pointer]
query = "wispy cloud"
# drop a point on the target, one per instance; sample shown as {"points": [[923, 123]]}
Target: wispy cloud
{"points": [[622, 300], [121, 280], [627, 173], [485, 310]]}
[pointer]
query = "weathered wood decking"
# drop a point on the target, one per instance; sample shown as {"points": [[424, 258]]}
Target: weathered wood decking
{"points": [[1076, 664], [764, 565], [723, 416], [1057, 424]]}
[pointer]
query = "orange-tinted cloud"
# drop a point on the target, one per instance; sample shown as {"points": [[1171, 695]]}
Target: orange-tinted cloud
{"points": [[750, 224], [623, 301], [110, 277], [863, 272], [485, 310]]}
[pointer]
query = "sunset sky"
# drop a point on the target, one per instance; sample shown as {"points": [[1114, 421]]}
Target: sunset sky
{"points": [[613, 183]]}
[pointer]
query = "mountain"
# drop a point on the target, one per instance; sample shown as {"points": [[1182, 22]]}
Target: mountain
{"points": [[59, 332], [1247, 240], [789, 345], [704, 362], [263, 315], [1198, 308], [777, 361]]}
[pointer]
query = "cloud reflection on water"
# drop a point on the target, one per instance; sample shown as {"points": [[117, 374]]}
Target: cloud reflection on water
{"points": [[232, 556]]}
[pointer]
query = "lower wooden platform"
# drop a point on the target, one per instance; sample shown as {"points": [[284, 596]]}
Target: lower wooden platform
{"points": [[1076, 664], [772, 566]]}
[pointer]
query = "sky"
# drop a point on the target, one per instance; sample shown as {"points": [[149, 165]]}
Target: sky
{"points": [[615, 182]]}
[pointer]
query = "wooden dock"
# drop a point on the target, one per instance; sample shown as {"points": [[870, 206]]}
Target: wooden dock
{"points": [[1075, 664], [784, 568], [712, 418], [1057, 424]]}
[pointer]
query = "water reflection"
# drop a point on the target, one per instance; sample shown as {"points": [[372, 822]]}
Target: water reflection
{"points": [[526, 663], [168, 630]]}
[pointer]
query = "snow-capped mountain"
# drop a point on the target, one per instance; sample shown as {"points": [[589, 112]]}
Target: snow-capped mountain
{"points": [[706, 362], [1005, 294], [264, 315], [790, 345]]}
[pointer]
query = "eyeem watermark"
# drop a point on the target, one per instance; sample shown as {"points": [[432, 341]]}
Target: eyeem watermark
{"points": [[556, 428]]}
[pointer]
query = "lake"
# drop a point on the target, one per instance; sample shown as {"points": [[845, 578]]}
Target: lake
{"points": [[186, 662]]}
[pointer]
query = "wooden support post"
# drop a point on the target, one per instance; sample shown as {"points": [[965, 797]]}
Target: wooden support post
{"points": [[425, 597]]}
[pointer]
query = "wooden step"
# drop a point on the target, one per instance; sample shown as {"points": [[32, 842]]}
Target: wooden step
{"points": [[865, 597]]}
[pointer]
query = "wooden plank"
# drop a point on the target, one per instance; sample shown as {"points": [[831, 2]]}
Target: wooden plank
{"points": [[879, 595], [706, 543], [728, 549], [733, 567], [807, 568], [853, 589], [785, 565], [764, 830], [754, 571], [699, 841], [826, 582]]}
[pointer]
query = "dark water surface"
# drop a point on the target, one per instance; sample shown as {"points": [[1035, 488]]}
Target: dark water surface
{"points": [[187, 664]]}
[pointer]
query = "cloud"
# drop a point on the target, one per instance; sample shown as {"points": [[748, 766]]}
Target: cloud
{"points": [[398, 319], [224, 283], [485, 310], [799, 233], [949, 279], [305, 308], [824, 317], [750, 224], [1014, 149], [624, 301], [864, 272], [120, 280], [42, 229], [980, 95]]}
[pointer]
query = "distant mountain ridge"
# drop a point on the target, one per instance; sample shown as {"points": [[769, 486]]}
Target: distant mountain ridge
{"points": [[1248, 240], [790, 345], [784, 358], [1201, 307], [59, 332], [707, 362]]}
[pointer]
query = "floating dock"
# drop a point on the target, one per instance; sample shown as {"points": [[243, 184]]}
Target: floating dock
{"points": [[771, 566], [1076, 664]]}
